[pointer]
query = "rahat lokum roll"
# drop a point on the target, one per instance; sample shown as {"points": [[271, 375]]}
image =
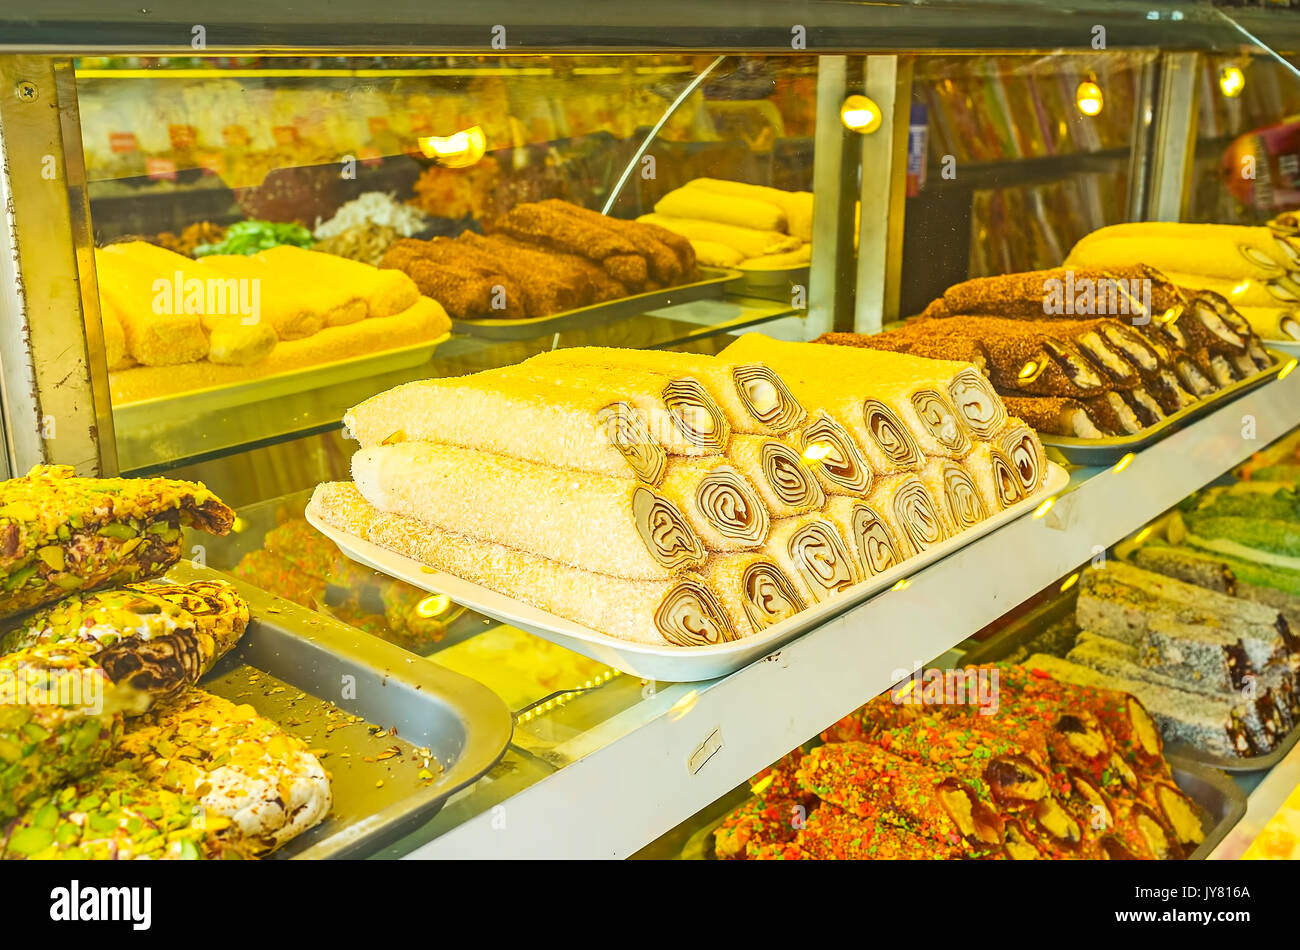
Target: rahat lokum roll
{"points": [[1024, 450], [60, 533], [956, 498], [680, 611], [594, 430], [869, 536], [907, 388], [841, 463], [995, 477], [905, 504], [610, 525], [753, 398], [719, 503], [784, 480], [1057, 415], [753, 589], [811, 551], [153, 637]]}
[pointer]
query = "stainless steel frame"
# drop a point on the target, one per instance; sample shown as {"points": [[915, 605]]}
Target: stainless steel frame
{"points": [[56, 404], [1174, 138]]}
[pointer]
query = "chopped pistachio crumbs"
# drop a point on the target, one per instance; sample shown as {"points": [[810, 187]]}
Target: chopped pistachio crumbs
{"points": [[58, 721], [234, 762], [154, 637], [116, 815], [60, 533]]}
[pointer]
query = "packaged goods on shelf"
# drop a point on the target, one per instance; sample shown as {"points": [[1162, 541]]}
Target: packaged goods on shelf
{"points": [[1132, 348], [1052, 770], [697, 488]]}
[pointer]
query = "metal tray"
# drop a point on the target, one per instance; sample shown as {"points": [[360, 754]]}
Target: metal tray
{"points": [[187, 405], [666, 663], [1110, 450], [1034, 621], [769, 284], [312, 674], [1221, 800], [712, 285]]}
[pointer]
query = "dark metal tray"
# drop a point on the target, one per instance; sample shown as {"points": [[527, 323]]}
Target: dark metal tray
{"points": [[1110, 450], [711, 285], [1029, 625], [369, 709], [1221, 800]]}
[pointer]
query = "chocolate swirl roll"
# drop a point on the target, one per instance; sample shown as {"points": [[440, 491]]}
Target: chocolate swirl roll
{"points": [[994, 476], [696, 415], [977, 403], [891, 435], [786, 485], [626, 431], [768, 595], [731, 506], [767, 398], [810, 549], [665, 532], [940, 420], [690, 616], [1020, 445], [834, 457], [871, 539], [1006, 479], [965, 507], [914, 514]]}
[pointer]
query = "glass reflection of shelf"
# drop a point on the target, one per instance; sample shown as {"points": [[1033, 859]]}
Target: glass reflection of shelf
{"points": [[177, 435]]}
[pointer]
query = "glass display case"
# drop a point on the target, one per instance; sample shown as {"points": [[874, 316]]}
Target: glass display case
{"points": [[413, 193]]}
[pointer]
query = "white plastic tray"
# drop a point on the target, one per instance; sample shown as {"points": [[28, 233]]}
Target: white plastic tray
{"points": [[666, 663]]}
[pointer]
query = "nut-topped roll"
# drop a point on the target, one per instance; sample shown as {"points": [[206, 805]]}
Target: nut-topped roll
{"points": [[60, 533]]}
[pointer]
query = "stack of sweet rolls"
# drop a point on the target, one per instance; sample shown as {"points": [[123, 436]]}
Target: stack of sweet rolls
{"points": [[1068, 371], [679, 499], [1256, 268], [1053, 771]]}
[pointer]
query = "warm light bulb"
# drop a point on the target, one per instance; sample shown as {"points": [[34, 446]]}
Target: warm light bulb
{"points": [[460, 150], [1231, 81], [860, 114], [1088, 98]]}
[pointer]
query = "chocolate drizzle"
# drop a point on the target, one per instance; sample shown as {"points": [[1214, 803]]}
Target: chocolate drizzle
{"points": [[767, 398], [790, 479], [731, 506], [690, 616], [696, 415], [940, 420], [1020, 446], [162, 667], [877, 549], [665, 532], [768, 595], [842, 464], [977, 403], [914, 511], [962, 497], [627, 431], [819, 554], [891, 435]]}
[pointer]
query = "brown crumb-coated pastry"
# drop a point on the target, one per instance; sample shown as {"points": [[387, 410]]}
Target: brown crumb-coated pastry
{"points": [[662, 260], [1056, 415]]}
